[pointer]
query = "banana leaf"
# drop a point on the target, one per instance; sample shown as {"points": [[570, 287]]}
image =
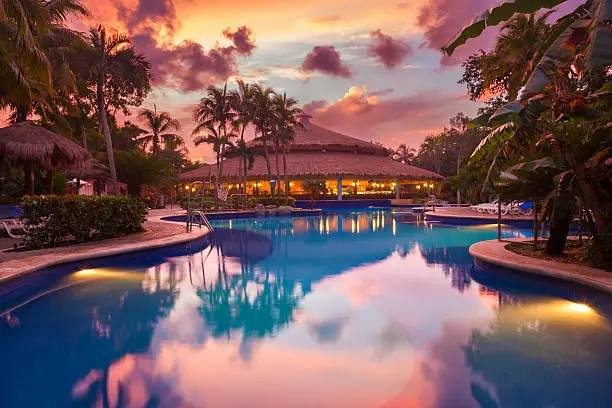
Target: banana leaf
{"points": [[533, 165], [498, 136], [495, 15], [599, 52]]}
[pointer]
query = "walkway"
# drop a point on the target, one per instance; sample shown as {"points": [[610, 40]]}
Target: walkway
{"points": [[158, 234], [495, 253], [467, 213]]}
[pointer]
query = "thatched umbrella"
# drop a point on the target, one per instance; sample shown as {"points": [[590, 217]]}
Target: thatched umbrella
{"points": [[27, 144]]}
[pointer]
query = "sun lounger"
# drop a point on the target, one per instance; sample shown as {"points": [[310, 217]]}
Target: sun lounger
{"points": [[13, 225]]}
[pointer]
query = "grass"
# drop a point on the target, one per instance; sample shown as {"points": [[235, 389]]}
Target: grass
{"points": [[575, 252]]}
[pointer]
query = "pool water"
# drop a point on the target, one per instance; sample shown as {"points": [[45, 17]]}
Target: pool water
{"points": [[350, 309]]}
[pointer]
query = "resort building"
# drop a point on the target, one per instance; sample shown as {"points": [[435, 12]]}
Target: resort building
{"points": [[330, 163]]}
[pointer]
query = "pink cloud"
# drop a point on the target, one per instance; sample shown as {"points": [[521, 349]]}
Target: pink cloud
{"points": [[242, 38], [390, 51], [369, 116], [326, 59]]}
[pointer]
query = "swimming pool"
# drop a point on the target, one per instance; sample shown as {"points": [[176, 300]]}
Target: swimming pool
{"points": [[347, 309]]}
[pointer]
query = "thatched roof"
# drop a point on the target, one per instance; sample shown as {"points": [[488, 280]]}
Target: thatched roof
{"points": [[25, 141], [320, 165], [321, 153], [314, 137]]}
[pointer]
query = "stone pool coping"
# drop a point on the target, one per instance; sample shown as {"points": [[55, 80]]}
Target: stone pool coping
{"points": [[38, 260], [495, 253]]}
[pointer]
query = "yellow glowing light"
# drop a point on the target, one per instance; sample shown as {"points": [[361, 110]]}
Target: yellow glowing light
{"points": [[577, 307], [186, 187], [431, 186], [424, 184], [86, 272], [291, 184], [193, 189], [418, 187], [393, 184]]}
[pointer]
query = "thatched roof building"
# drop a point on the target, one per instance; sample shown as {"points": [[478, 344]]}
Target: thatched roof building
{"points": [[31, 145], [318, 153]]}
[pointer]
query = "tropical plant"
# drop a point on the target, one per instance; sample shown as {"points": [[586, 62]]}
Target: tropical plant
{"points": [[159, 124], [242, 104], [246, 154], [114, 61], [287, 120], [404, 154], [214, 116], [263, 119], [137, 169], [33, 42], [568, 81]]}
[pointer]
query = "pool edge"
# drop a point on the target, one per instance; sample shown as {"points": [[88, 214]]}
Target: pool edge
{"points": [[49, 260], [494, 252]]}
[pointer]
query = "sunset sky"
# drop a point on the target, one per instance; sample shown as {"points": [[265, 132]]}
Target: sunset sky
{"points": [[371, 69]]}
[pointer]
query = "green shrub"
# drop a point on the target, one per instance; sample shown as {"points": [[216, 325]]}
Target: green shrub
{"points": [[278, 201], [199, 203], [53, 219]]}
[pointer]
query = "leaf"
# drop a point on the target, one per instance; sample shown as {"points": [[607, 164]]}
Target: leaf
{"points": [[599, 52], [599, 158], [508, 112], [495, 138], [480, 121], [534, 165], [495, 15]]}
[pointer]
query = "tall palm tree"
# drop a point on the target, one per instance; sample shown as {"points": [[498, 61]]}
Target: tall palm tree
{"points": [[158, 125], [109, 56], [404, 154], [33, 34], [214, 115], [247, 157], [243, 106], [263, 119], [287, 119]]}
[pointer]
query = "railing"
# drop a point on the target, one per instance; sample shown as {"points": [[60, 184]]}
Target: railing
{"points": [[203, 220]]}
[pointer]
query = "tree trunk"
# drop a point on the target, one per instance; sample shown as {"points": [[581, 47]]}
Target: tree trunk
{"points": [[84, 143], [558, 231], [268, 166], [50, 182], [278, 178], [246, 171], [107, 135], [535, 225], [28, 174], [285, 171]]}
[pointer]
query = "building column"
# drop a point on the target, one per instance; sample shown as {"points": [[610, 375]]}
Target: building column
{"points": [[339, 188], [397, 188]]}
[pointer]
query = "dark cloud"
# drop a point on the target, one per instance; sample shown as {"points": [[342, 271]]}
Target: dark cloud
{"points": [[187, 66], [326, 59], [242, 38], [390, 51]]}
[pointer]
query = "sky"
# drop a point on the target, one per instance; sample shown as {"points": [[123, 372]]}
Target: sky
{"points": [[370, 69]]}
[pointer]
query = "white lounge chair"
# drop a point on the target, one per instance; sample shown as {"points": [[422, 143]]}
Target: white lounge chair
{"points": [[11, 225]]}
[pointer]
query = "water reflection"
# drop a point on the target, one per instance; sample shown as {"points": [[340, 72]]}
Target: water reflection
{"points": [[344, 310]]}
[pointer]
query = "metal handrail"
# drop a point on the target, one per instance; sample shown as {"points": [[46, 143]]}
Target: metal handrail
{"points": [[203, 219]]}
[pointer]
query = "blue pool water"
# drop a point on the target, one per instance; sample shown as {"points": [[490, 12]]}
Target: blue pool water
{"points": [[350, 309]]}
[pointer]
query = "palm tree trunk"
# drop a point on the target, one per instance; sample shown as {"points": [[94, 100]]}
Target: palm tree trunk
{"points": [[107, 135], [217, 178], [268, 166], [278, 183], [285, 170], [246, 171]]}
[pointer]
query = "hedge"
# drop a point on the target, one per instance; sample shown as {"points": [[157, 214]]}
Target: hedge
{"points": [[278, 201], [53, 219]]}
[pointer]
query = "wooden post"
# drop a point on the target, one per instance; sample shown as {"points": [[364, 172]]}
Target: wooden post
{"points": [[397, 188], [580, 223], [28, 173], [499, 232], [339, 188], [535, 225]]}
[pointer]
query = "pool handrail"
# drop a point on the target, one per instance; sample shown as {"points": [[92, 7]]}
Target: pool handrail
{"points": [[203, 220]]}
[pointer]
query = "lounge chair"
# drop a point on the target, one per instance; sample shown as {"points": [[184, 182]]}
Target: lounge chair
{"points": [[11, 225]]}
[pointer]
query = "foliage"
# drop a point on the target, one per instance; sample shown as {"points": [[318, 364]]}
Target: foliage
{"points": [[135, 168], [315, 186], [159, 129], [404, 154], [53, 219], [277, 201]]}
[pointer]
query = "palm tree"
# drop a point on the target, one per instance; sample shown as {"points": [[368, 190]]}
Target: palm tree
{"points": [[287, 119], [242, 104], [263, 119], [32, 37], [247, 154], [109, 56], [158, 125], [404, 154], [214, 115]]}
